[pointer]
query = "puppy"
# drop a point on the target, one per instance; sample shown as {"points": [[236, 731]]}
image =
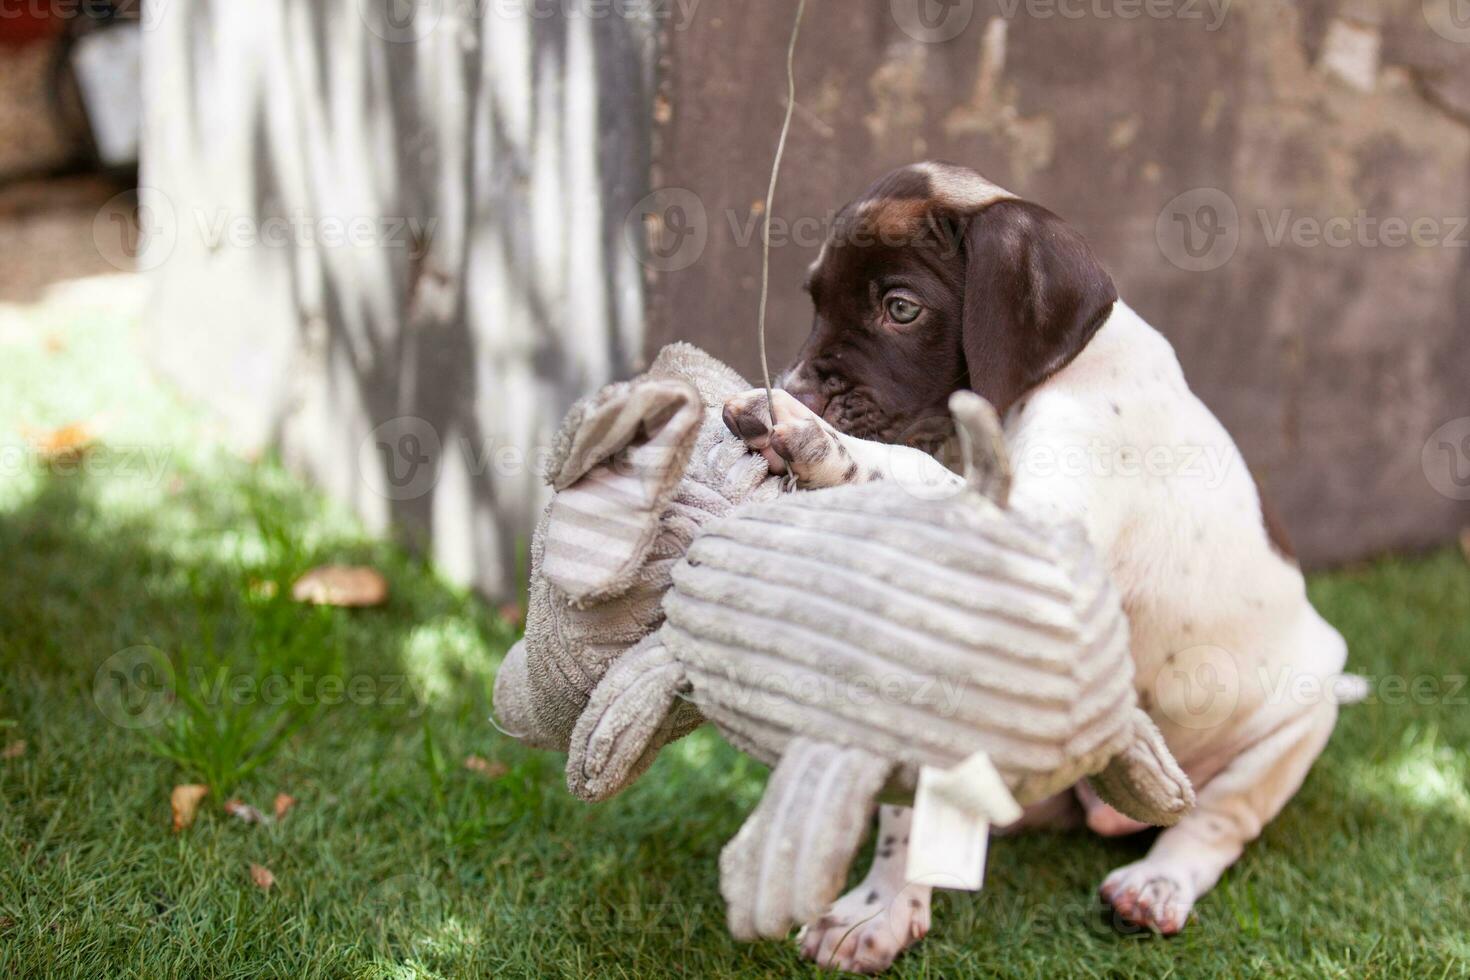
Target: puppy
{"points": [[937, 280]]}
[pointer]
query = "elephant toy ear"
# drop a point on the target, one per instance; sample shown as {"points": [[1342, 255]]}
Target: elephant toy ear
{"points": [[616, 465], [983, 444]]}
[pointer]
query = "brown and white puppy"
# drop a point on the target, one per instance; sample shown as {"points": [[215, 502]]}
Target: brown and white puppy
{"points": [[937, 280]]}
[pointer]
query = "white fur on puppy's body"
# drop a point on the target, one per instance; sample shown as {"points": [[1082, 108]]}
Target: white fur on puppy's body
{"points": [[1117, 441]]}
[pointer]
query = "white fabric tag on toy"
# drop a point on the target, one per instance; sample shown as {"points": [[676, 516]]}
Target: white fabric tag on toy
{"points": [[953, 811]]}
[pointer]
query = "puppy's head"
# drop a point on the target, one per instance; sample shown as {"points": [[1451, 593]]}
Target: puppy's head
{"points": [[937, 280]]}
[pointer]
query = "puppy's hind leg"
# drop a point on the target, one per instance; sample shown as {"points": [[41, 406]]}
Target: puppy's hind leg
{"points": [[1188, 859]]}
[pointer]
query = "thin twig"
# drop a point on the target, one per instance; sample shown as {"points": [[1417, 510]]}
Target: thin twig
{"points": [[770, 206]]}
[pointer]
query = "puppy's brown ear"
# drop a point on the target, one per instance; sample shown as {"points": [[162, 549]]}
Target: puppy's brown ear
{"points": [[1034, 296]]}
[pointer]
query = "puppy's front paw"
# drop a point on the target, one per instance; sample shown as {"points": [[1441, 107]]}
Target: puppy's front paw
{"points": [[799, 442], [1151, 894], [866, 929], [747, 417]]}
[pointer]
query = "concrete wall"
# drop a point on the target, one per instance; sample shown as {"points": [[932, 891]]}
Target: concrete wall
{"points": [[536, 143], [1332, 363]]}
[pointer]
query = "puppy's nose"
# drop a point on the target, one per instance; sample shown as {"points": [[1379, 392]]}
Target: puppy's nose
{"points": [[812, 400], [802, 383], [746, 425]]}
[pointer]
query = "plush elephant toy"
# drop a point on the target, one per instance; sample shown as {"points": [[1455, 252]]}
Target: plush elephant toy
{"points": [[855, 636], [638, 468]]}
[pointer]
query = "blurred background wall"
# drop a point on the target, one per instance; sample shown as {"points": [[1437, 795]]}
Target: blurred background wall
{"points": [[385, 238], [398, 238]]}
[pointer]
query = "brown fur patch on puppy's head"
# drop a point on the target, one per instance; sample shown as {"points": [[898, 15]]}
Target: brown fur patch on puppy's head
{"points": [[933, 280]]}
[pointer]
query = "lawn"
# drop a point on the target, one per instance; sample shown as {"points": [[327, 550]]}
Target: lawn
{"points": [[399, 861]]}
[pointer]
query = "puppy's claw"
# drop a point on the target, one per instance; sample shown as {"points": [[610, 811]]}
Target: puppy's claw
{"points": [[746, 425], [1152, 896], [799, 441]]}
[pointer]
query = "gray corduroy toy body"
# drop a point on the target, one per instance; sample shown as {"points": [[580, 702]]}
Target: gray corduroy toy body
{"points": [[849, 637], [638, 467]]}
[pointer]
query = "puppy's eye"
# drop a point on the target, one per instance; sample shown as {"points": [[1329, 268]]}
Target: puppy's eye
{"points": [[902, 310]]}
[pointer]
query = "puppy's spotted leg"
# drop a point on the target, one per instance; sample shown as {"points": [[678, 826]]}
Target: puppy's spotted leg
{"points": [[807, 446], [864, 930], [800, 442]]}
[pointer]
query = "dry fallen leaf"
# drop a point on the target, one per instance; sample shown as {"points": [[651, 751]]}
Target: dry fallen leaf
{"points": [[484, 767], [244, 811], [184, 801], [284, 803], [263, 588], [341, 585], [14, 750], [513, 613], [262, 877], [68, 442]]}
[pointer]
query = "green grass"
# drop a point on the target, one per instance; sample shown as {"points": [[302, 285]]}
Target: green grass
{"points": [[399, 862]]}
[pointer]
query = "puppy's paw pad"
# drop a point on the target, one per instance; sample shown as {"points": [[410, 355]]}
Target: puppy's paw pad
{"points": [[747, 416], [865, 930], [805, 443], [1153, 895]]}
